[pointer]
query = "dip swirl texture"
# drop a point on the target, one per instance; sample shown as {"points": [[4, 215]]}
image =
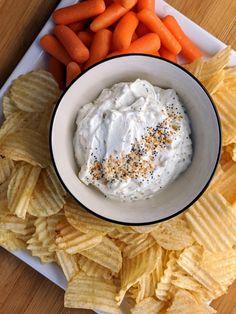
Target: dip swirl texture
{"points": [[132, 141]]}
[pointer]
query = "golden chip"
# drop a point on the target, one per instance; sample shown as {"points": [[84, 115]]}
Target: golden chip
{"points": [[195, 67], [17, 121], [20, 189], [128, 238], [134, 268], [144, 229], [93, 269], [133, 250], [34, 91], [84, 221], [230, 78], [27, 145], [213, 222], [216, 179], [10, 241], [190, 261], [173, 234], [8, 105], [225, 102], [75, 242], [68, 264], [148, 305], [91, 293], [106, 254], [221, 266], [165, 289], [6, 167], [185, 302], [146, 287], [215, 64], [214, 82], [36, 248], [48, 197]]}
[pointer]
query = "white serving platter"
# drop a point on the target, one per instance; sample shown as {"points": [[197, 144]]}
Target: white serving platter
{"points": [[35, 58]]}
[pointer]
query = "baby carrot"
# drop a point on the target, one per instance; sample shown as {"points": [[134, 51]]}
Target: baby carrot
{"points": [[148, 44], [74, 46], [78, 12], [142, 30], [146, 4], [78, 26], [56, 68], [55, 49], [154, 23], [124, 31], [100, 46], [112, 14], [86, 37], [166, 54], [189, 50], [72, 71], [128, 4]]}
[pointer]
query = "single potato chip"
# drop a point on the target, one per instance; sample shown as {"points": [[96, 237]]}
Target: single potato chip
{"points": [[213, 222], [93, 269], [6, 167], [26, 145], [20, 189], [48, 197], [230, 78], [128, 238], [8, 105], [190, 262], [84, 221], [134, 268], [165, 289], [216, 179], [106, 254], [185, 302], [225, 102], [144, 229], [34, 91], [195, 67], [133, 250], [173, 234], [215, 64], [36, 248], [68, 264], [214, 82], [91, 293], [221, 266], [148, 305], [10, 241]]}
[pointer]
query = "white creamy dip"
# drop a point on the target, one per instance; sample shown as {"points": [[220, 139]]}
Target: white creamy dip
{"points": [[132, 141]]}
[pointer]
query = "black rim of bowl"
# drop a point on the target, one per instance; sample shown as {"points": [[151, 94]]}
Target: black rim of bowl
{"points": [[149, 222]]}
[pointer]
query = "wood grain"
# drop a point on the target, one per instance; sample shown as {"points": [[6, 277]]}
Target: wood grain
{"points": [[23, 290]]}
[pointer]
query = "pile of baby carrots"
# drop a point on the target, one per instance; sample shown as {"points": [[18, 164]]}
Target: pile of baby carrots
{"points": [[92, 30]]}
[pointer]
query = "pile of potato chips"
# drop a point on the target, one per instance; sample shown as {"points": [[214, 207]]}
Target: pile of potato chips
{"points": [[172, 267]]}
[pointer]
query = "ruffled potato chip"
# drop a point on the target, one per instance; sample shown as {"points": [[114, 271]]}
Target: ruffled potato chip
{"points": [[6, 167], [148, 305], [133, 250], [91, 293], [68, 264]]}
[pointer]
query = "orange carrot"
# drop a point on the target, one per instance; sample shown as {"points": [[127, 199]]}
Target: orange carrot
{"points": [[56, 68], [189, 50], [148, 44], [55, 49], [124, 31], [142, 30], [146, 4], [166, 54], [72, 71], [78, 12], [134, 37], [128, 4], [100, 47], [112, 13], [78, 26], [154, 23], [74, 46], [86, 37]]}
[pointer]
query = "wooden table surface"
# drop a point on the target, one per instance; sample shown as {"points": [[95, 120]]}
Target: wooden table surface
{"points": [[23, 290]]}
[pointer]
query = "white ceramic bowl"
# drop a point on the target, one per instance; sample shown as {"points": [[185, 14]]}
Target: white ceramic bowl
{"points": [[206, 137]]}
